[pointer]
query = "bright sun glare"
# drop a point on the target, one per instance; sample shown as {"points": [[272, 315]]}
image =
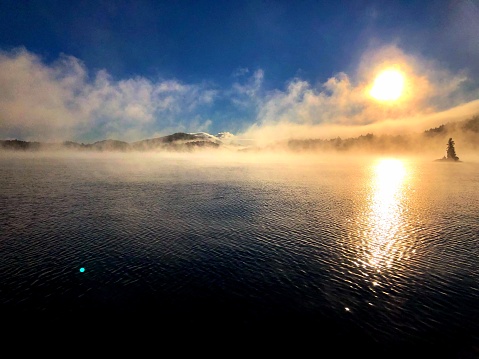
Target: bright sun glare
{"points": [[388, 85], [389, 174]]}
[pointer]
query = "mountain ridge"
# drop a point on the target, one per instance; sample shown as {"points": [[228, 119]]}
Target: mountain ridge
{"points": [[466, 132]]}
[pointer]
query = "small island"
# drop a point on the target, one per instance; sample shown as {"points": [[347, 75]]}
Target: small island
{"points": [[450, 153]]}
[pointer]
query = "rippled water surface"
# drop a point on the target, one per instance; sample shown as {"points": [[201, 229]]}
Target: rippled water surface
{"points": [[377, 251]]}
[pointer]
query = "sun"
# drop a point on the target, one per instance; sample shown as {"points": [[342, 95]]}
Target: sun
{"points": [[388, 85]]}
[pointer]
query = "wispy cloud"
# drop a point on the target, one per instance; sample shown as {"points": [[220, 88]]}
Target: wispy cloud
{"points": [[248, 93], [61, 101], [341, 106]]}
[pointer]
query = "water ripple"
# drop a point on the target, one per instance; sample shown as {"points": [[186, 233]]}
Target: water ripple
{"points": [[242, 244]]}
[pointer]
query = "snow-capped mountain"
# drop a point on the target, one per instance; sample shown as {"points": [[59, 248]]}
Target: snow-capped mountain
{"points": [[222, 138]]}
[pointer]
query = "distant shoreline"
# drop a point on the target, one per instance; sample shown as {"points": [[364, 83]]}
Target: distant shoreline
{"points": [[446, 160], [466, 132]]}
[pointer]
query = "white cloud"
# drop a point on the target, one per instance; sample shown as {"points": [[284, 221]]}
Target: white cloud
{"points": [[249, 93], [342, 106], [240, 71], [58, 101], [62, 101]]}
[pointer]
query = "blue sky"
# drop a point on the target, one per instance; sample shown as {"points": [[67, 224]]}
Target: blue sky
{"points": [[129, 70]]}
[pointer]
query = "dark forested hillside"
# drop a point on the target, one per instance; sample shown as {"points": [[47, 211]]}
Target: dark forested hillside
{"points": [[465, 134]]}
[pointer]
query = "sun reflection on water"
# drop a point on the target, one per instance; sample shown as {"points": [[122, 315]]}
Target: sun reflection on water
{"points": [[385, 216]]}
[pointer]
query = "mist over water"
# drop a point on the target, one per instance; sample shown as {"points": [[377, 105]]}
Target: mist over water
{"points": [[377, 251]]}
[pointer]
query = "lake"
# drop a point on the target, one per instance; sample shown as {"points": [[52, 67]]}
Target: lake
{"points": [[367, 254]]}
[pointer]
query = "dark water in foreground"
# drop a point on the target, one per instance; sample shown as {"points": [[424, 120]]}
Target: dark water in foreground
{"points": [[370, 256]]}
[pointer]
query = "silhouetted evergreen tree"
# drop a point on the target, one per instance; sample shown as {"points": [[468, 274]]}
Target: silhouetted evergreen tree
{"points": [[451, 151]]}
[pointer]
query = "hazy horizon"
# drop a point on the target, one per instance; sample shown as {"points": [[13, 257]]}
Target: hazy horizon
{"points": [[304, 70]]}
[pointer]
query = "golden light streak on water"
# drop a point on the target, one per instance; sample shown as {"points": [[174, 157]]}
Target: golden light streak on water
{"points": [[385, 216]]}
